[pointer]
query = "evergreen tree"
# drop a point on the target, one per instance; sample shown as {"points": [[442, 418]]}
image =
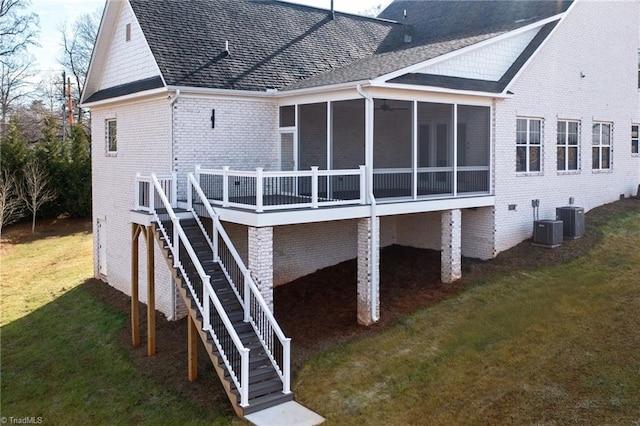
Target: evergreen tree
{"points": [[14, 152], [78, 198]]}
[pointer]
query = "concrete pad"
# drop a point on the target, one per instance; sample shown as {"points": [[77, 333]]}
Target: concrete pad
{"points": [[288, 414]]}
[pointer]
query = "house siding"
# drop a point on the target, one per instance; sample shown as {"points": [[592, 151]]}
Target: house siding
{"points": [[128, 60], [486, 63], [143, 146], [552, 88]]}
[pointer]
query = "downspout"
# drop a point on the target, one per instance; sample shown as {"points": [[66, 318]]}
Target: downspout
{"points": [[373, 271], [171, 104]]}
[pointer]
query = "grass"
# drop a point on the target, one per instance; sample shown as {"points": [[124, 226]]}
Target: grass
{"points": [[62, 359], [549, 346]]}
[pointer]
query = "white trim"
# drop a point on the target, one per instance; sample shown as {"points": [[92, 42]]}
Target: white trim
{"points": [[442, 90]]}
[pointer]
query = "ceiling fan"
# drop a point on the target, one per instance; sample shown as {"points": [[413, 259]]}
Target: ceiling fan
{"points": [[386, 107]]}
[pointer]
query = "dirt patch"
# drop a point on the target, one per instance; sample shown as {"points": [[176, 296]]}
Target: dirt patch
{"points": [[319, 310]]}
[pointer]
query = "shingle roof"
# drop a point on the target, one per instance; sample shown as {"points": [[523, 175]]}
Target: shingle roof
{"points": [[275, 44], [127, 89], [272, 44]]}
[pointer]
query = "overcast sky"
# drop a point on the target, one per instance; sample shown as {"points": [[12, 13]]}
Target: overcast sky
{"points": [[53, 13]]}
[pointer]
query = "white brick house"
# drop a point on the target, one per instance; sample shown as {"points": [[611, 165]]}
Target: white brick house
{"points": [[457, 125]]}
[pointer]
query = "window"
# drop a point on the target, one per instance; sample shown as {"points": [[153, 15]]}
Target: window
{"points": [[127, 36], [635, 130], [601, 149], [528, 144], [568, 137], [111, 136]]}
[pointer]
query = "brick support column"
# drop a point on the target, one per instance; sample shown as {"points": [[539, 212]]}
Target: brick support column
{"points": [[368, 291], [451, 258], [261, 261]]}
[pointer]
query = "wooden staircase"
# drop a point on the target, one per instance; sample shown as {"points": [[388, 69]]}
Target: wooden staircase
{"points": [[265, 384]]}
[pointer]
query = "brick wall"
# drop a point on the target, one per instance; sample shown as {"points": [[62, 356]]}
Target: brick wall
{"points": [[552, 88], [245, 135], [113, 188]]}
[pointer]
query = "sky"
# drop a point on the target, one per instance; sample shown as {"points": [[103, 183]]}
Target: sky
{"points": [[53, 13]]}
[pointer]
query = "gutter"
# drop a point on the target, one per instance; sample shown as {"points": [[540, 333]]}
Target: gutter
{"points": [[374, 271]]}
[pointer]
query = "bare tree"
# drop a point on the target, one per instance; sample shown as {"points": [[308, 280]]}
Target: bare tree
{"points": [[18, 28], [78, 40], [372, 11], [35, 191], [14, 85], [10, 203]]}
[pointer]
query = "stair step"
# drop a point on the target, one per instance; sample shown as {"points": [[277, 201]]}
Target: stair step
{"points": [[267, 401]]}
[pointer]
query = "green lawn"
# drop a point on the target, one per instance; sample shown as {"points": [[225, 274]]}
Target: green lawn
{"points": [[552, 346], [61, 354]]}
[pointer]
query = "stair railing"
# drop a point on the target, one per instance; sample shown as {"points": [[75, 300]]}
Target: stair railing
{"points": [[256, 311], [227, 341]]}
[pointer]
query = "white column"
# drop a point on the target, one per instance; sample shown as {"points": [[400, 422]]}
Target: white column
{"points": [[368, 265], [261, 261], [451, 258]]}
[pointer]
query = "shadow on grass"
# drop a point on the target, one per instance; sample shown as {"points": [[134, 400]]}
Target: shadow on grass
{"points": [[65, 362]]}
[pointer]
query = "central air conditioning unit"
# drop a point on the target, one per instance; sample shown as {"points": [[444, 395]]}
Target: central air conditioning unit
{"points": [[547, 233], [573, 221]]}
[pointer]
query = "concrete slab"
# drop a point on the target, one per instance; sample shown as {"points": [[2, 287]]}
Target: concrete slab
{"points": [[288, 414]]}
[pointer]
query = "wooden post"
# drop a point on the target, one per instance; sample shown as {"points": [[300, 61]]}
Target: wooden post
{"points": [[135, 311], [192, 338], [151, 294]]}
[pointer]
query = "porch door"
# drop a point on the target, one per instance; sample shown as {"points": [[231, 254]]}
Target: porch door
{"points": [[288, 162], [288, 150], [101, 237]]}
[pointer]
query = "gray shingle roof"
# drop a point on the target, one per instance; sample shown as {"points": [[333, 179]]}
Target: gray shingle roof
{"points": [[272, 44]]}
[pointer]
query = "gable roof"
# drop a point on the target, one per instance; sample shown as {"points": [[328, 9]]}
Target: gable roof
{"points": [[278, 45]]}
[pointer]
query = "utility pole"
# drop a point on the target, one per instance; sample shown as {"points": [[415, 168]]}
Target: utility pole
{"points": [[70, 103], [64, 107]]}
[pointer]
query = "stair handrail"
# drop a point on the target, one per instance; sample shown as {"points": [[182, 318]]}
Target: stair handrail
{"points": [[284, 371], [208, 294]]}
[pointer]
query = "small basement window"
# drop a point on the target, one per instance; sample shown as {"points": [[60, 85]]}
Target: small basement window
{"points": [[635, 139]]}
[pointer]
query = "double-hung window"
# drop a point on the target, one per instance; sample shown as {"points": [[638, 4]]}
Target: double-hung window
{"points": [[635, 141], [568, 141], [111, 136], [601, 146], [528, 145]]}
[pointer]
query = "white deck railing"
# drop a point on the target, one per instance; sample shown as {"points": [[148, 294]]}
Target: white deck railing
{"points": [[261, 190], [276, 344], [233, 353], [145, 196]]}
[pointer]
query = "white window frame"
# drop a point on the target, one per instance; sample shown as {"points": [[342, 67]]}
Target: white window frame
{"points": [[599, 145], [111, 141], [635, 139], [529, 145], [563, 143]]}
